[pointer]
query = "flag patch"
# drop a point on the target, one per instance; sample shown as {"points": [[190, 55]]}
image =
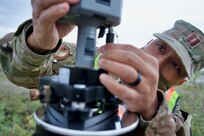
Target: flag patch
{"points": [[193, 40]]}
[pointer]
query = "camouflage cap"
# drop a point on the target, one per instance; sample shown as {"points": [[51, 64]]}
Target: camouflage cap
{"points": [[188, 42]]}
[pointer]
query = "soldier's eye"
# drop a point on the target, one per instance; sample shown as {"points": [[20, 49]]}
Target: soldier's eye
{"points": [[161, 48], [176, 66]]}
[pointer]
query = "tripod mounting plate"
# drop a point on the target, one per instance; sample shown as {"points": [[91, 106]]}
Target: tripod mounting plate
{"points": [[127, 123]]}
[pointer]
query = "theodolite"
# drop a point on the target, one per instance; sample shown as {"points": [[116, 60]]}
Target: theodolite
{"points": [[75, 102]]}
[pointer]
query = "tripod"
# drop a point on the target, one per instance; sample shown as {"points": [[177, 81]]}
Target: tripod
{"points": [[75, 102]]}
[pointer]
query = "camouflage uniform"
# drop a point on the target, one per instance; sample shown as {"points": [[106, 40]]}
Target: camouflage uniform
{"points": [[22, 66]]}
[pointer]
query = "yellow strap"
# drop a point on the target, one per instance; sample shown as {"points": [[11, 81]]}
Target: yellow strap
{"points": [[96, 66], [172, 98]]}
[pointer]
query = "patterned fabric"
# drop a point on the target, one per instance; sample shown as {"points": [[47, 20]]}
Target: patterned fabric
{"points": [[22, 66], [165, 123]]}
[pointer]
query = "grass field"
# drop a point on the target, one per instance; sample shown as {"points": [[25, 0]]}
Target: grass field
{"points": [[16, 109], [192, 100]]}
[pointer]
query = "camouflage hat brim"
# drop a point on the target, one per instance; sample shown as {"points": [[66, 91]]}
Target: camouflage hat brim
{"points": [[179, 49]]}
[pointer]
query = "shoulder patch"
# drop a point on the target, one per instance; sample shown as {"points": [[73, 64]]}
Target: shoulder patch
{"points": [[62, 53]]}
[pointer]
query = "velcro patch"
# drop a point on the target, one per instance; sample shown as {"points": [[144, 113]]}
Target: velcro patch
{"points": [[62, 53], [193, 39]]}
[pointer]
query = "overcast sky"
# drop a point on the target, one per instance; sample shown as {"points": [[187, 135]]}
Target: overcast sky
{"points": [[140, 18]]}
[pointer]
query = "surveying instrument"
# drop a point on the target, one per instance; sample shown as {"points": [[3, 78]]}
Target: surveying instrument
{"points": [[75, 102]]}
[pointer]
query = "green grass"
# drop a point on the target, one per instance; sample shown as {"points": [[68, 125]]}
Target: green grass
{"points": [[192, 100], [16, 109]]}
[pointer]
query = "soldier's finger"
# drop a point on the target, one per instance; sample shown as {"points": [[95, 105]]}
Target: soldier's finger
{"points": [[125, 47], [123, 92], [129, 58], [135, 100], [125, 72], [50, 16], [131, 97], [130, 55], [40, 5]]}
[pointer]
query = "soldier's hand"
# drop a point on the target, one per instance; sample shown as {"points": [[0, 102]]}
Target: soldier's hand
{"points": [[46, 31], [125, 61]]}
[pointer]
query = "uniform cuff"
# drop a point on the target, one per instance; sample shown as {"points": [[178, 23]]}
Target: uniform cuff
{"points": [[27, 55], [161, 101], [28, 31]]}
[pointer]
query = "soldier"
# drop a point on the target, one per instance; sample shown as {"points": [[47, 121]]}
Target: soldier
{"points": [[179, 52], [36, 49]]}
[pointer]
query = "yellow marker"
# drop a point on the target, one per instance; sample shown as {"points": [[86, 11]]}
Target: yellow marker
{"points": [[96, 66]]}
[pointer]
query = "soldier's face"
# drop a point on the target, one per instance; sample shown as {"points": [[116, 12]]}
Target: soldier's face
{"points": [[170, 65]]}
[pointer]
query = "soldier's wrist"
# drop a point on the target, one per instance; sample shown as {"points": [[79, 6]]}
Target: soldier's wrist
{"points": [[31, 43], [152, 110], [144, 122]]}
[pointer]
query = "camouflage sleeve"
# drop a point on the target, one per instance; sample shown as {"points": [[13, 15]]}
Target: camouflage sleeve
{"points": [[185, 118], [21, 65], [164, 123]]}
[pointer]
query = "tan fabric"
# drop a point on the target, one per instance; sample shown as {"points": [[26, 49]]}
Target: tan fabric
{"points": [[164, 123], [22, 66], [185, 118]]}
